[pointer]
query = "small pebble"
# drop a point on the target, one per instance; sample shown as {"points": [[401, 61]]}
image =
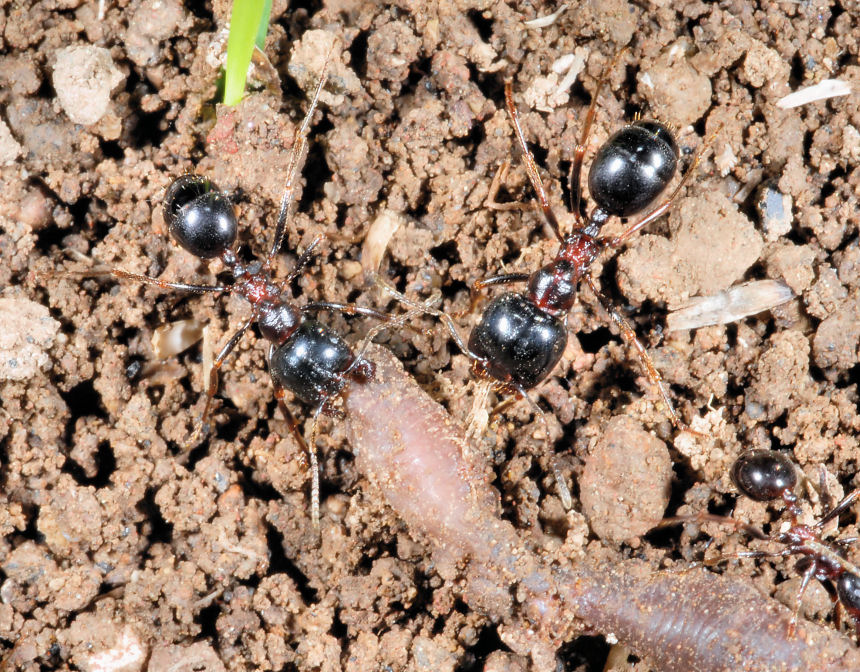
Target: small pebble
{"points": [[28, 332], [774, 208], [83, 79]]}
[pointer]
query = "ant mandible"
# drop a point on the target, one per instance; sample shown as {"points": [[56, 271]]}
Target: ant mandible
{"points": [[521, 337], [766, 476], [305, 357]]}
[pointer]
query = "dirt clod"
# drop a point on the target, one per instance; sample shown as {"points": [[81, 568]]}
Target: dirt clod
{"points": [[84, 78], [673, 270], [100, 645], [625, 484], [190, 658]]}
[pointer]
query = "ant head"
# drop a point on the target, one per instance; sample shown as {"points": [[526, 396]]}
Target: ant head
{"points": [[764, 475], [848, 592], [200, 218], [631, 169]]}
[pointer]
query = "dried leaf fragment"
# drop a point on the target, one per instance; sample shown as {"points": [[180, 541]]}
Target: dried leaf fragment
{"points": [[826, 88], [730, 305]]}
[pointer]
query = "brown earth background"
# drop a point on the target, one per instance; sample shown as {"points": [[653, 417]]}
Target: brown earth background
{"points": [[114, 541]]}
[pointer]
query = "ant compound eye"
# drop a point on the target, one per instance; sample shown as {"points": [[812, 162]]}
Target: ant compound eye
{"points": [[200, 218], [848, 591], [182, 191], [631, 169], [764, 475], [662, 133]]}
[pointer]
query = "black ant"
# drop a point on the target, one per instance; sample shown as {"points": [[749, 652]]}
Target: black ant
{"points": [[521, 337], [305, 357], [766, 476]]}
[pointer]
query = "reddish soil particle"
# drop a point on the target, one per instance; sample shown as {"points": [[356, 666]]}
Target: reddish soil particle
{"points": [[110, 533]]}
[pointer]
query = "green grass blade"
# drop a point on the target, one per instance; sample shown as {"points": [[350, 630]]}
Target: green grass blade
{"points": [[245, 26], [263, 26]]}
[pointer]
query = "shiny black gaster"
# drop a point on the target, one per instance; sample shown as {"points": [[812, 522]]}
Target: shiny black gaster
{"points": [[311, 363], [199, 217], [517, 342]]}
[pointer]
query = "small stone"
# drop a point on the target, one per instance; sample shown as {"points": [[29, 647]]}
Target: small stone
{"points": [[774, 208], [28, 331], [83, 79]]}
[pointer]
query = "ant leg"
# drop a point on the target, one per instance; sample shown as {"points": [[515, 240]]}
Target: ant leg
{"points": [[748, 554], [704, 517], [504, 279], [311, 453], [645, 359], [213, 378], [490, 202], [315, 467], [480, 285], [529, 160], [561, 484], [435, 312], [837, 611], [847, 501], [303, 260], [713, 562], [389, 322], [146, 280], [299, 146], [804, 583], [346, 309], [500, 407], [574, 175], [658, 212]]}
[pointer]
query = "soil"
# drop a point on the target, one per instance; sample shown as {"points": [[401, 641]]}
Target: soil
{"points": [[122, 550]]}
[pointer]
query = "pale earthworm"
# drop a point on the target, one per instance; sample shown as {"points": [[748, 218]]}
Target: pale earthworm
{"points": [[416, 455]]}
